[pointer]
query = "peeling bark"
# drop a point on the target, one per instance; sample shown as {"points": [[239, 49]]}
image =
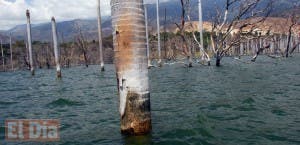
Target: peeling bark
{"points": [[135, 120], [128, 22]]}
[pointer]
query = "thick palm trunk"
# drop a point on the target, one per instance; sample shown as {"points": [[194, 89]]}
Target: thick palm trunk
{"points": [[100, 37], [128, 22], [29, 41], [55, 46]]}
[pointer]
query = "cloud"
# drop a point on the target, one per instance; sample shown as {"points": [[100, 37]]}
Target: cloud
{"points": [[12, 12], [154, 1]]}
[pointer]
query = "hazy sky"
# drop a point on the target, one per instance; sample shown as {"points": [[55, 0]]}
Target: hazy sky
{"points": [[12, 12]]}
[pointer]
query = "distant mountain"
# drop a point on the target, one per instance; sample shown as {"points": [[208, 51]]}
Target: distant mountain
{"points": [[4, 38], [66, 30], [69, 29]]}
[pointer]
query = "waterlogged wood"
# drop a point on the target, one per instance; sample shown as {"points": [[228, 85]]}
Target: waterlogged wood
{"points": [[128, 22], [29, 42], [100, 36], [55, 46]]}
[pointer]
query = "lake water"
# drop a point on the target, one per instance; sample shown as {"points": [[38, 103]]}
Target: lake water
{"points": [[236, 104]]}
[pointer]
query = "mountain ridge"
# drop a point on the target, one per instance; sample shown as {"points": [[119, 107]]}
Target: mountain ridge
{"points": [[68, 30]]}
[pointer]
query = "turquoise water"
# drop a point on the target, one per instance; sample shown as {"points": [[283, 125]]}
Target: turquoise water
{"points": [[236, 104]]}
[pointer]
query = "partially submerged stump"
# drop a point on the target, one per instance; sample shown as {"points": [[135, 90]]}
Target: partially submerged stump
{"points": [[55, 47], [128, 22]]}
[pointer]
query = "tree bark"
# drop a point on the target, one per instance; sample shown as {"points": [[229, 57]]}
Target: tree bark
{"points": [[128, 22], [100, 37], [55, 46], [29, 41]]}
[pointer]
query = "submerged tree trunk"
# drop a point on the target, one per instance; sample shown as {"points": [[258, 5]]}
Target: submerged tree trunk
{"points": [[100, 37], [2, 55], [29, 41], [128, 22], [288, 42], [147, 35], [158, 33], [55, 46], [218, 59], [11, 55], [200, 26]]}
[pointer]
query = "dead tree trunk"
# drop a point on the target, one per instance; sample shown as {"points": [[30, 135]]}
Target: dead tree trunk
{"points": [[288, 42], [128, 22], [2, 52], [147, 35], [201, 27], [55, 46], [11, 53], [186, 48], [158, 34], [29, 41], [165, 34], [100, 37], [218, 59], [27, 64], [259, 51]]}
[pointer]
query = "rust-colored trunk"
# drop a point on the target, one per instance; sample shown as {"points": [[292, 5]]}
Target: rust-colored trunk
{"points": [[128, 22]]}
